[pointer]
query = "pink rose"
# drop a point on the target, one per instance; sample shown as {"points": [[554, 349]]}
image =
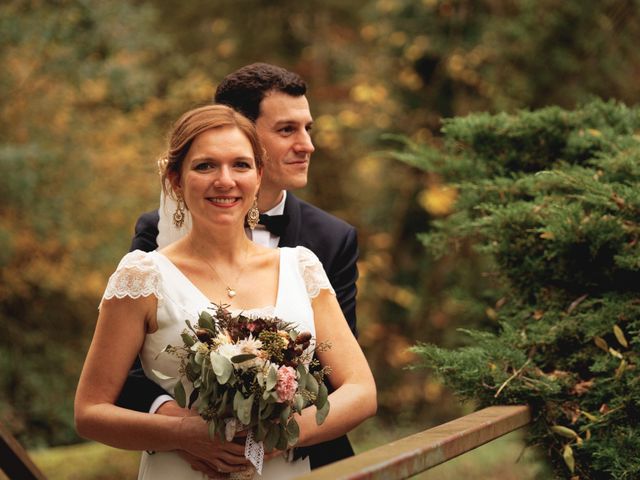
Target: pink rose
{"points": [[287, 384]]}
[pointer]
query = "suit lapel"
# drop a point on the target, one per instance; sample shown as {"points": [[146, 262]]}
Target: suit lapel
{"points": [[291, 235]]}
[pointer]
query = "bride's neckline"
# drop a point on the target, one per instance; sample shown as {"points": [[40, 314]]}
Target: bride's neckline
{"points": [[265, 308]]}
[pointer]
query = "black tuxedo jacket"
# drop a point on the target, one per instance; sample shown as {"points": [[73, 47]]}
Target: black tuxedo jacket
{"points": [[332, 240]]}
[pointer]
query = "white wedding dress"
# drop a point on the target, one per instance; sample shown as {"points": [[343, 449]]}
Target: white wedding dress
{"points": [[301, 277]]}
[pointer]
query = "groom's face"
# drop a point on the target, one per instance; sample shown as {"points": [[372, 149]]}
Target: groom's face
{"points": [[284, 127]]}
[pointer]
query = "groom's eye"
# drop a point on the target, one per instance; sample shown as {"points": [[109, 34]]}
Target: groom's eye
{"points": [[288, 130]]}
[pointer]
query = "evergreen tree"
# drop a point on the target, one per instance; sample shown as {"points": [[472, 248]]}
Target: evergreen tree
{"points": [[551, 199]]}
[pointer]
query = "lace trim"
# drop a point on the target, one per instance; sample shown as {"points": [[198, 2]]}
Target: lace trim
{"points": [[253, 450], [313, 274], [136, 276]]}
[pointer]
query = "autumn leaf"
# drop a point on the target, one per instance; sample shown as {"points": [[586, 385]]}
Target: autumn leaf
{"points": [[620, 336], [567, 454], [581, 388]]}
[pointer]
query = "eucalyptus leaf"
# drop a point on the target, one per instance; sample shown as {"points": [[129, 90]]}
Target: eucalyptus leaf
{"points": [[293, 432], [321, 413], [323, 394], [298, 403], [272, 437], [282, 439], [272, 377], [223, 403], [190, 326], [267, 410], [244, 410], [261, 430], [180, 395], [237, 398], [312, 384], [206, 321], [222, 367], [187, 339], [284, 415], [198, 358], [302, 377], [243, 357]]}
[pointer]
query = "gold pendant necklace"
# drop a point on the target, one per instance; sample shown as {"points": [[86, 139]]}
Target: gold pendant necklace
{"points": [[231, 292]]}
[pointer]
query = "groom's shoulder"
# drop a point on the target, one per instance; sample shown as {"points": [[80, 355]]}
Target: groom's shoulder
{"points": [[146, 232], [149, 218]]}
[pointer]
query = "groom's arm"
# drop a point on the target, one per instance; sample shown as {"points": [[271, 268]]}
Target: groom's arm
{"points": [[343, 275], [138, 392]]}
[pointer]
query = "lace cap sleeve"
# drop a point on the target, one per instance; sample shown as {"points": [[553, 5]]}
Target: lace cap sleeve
{"points": [[136, 276], [312, 272]]}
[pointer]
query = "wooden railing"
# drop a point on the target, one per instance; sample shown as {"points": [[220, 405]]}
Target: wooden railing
{"points": [[421, 451], [14, 460], [394, 461]]}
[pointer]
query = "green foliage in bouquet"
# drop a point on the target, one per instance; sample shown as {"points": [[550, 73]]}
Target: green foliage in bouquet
{"points": [[552, 199], [257, 372]]}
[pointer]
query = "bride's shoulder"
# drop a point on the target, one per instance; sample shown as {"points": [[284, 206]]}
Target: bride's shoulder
{"points": [[311, 271], [302, 254], [137, 275], [139, 260]]}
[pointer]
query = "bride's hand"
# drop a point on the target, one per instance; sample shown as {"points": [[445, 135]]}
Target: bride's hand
{"points": [[224, 457], [211, 457]]}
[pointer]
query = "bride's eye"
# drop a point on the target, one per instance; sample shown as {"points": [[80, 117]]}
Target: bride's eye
{"points": [[203, 166], [243, 165]]}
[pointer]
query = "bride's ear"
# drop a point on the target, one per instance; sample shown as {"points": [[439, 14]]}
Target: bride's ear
{"points": [[174, 183]]}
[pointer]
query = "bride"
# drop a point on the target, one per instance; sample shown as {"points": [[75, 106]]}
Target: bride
{"points": [[214, 167]]}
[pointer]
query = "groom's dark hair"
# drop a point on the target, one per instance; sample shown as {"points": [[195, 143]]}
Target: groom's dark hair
{"points": [[244, 89]]}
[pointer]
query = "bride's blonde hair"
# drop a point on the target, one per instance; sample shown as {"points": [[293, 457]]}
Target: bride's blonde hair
{"points": [[194, 122]]}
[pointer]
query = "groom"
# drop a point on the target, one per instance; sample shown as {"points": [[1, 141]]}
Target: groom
{"points": [[274, 99]]}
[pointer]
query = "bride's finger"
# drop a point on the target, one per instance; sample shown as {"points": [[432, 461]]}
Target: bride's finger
{"points": [[233, 459], [224, 467], [232, 448]]}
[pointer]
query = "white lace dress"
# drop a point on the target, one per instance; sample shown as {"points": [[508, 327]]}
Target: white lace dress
{"points": [[142, 274]]}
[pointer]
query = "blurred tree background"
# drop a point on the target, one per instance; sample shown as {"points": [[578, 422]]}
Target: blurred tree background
{"points": [[89, 89]]}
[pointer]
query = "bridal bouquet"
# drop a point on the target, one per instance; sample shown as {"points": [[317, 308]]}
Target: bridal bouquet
{"points": [[250, 373]]}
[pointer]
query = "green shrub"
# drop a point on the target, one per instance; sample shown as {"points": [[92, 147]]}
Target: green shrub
{"points": [[552, 198]]}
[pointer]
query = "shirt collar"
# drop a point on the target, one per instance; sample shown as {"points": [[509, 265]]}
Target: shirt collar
{"points": [[279, 208]]}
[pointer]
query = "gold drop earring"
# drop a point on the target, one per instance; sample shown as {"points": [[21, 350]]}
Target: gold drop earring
{"points": [[253, 215], [178, 215]]}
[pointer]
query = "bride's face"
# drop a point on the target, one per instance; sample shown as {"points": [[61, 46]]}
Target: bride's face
{"points": [[219, 179]]}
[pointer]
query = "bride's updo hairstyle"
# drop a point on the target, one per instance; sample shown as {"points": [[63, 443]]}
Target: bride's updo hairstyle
{"points": [[193, 123]]}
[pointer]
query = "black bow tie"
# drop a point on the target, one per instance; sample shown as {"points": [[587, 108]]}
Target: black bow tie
{"points": [[275, 224]]}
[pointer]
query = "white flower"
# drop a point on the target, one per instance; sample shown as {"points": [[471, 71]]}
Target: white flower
{"points": [[251, 346], [222, 338], [228, 350]]}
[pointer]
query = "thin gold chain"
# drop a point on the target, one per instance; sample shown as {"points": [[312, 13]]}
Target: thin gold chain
{"points": [[231, 291]]}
